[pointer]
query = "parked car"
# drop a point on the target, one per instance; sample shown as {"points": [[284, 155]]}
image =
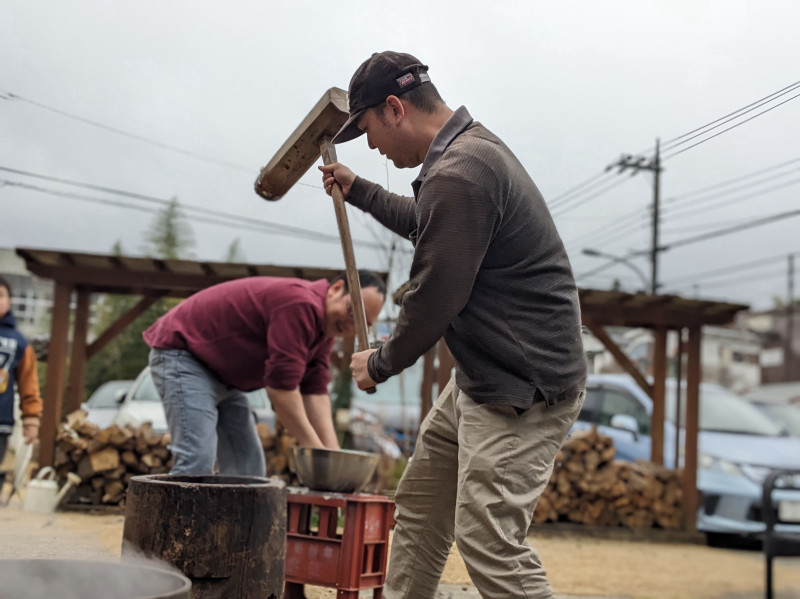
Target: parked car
{"points": [[142, 404], [784, 414], [738, 445], [103, 404]]}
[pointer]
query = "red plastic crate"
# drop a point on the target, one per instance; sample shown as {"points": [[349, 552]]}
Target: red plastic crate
{"points": [[349, 559]]}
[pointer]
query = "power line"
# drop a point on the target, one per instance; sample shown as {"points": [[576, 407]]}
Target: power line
{"points": [[580, 201], [573, 190], [235, 221], [684, 211], [682, 197], [310, 233], [739, 280], [624, 226], [137, 137], [706, 225], [721, 232], [713, 273], [744, 110], [702, 141]]}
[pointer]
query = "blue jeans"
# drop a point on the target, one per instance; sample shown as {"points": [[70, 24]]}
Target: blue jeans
{"points": [[208, 420]]}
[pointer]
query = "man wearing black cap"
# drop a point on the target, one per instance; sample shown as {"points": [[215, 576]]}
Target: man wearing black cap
{"points": [[491, 275]]}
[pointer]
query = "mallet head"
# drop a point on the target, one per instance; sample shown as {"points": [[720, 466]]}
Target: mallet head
{"points": [[301, 150]]}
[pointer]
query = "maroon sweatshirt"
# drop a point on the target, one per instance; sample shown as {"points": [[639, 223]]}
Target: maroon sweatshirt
{"points": [[254, 332]]}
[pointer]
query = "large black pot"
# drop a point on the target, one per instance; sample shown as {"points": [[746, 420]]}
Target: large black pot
{"points": [[77, 579]]}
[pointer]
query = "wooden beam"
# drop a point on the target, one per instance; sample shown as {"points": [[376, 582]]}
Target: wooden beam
{"points": [[77, 362], [56, 368], [94, 278], [649, 317], [620, 356], [659, 395], [693, 375], [119, 325]]}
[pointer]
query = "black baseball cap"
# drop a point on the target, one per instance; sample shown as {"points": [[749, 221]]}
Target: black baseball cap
{"points": [[382, 75]]}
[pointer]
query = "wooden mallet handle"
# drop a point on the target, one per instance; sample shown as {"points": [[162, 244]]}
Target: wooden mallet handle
{"points": [[328, 152]]}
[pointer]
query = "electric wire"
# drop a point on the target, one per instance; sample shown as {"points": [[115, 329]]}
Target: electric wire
{"points": [[735, 281], [577, 201], [739, 124], [721, 232], [232, 220], [672, 143], [135, 136], [310, 233], [713, 273]]}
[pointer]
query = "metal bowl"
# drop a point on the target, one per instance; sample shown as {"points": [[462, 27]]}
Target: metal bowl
{"points": [[337, 470]]}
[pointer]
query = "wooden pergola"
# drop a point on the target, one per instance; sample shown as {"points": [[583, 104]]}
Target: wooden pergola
{"points": [[152, 279], [659, 313]]}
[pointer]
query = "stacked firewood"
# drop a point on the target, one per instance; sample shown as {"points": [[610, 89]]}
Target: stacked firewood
{"points": [[277, 449], [106, 459], [588, 486]]}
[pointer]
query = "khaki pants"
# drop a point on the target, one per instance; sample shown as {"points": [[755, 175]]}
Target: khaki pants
{"points": [[475, 478]]}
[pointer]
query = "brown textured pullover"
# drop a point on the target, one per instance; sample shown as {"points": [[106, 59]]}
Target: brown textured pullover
{"points": [[489, 273]]}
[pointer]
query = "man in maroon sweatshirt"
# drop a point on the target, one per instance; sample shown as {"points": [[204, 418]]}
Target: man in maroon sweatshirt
{"points": [[237, 336]]}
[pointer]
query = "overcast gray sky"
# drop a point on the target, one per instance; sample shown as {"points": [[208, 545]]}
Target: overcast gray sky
{"points": [[569, 86]]}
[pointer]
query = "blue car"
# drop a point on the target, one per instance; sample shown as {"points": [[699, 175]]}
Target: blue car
{"points": [[737, 446]]}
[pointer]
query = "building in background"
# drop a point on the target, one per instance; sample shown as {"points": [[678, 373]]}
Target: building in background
{"points": [[730, 355], [31, 297], [780, 331]]}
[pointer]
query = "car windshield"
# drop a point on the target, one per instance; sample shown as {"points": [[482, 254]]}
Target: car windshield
{"points": [[787, 416], [105, 396], [257, 398], [146, 391], [722, 411]]}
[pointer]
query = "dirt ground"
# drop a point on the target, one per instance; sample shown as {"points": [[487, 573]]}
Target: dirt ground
{"points": [[577, 564]]}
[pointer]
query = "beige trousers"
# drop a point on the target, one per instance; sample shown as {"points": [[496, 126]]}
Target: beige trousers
{"points": [[475, 477]]}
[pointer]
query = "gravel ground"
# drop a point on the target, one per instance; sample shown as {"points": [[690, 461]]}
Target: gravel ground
{"points": [[578, 564]]}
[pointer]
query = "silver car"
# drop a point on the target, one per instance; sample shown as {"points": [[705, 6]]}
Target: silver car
{"points": [[738, 446]]}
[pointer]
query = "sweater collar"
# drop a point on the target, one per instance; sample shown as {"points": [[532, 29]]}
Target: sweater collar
{"points": [[459, 121]]}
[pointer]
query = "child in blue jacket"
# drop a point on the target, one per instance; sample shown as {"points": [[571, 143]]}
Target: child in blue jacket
{"points": [[17, 369]]}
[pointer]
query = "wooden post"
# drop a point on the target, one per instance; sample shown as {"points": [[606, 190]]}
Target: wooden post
{"points": [[693, 374], [659, 395], [56, 367], [77, 363], [620, 356]]}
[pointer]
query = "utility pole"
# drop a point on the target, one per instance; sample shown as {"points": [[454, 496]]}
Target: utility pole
{"points": [[637, 163], [788, 350]]}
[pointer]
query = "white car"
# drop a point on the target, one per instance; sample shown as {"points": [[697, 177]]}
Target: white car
{"points": [[103, 404], [142, 404]]}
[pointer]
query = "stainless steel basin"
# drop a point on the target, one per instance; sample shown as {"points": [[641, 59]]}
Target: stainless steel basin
{"points": [[77, 579], [337, 470]]}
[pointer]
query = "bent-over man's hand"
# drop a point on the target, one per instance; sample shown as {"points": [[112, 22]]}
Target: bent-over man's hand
{"points": [[358, 364], [338, 173]]}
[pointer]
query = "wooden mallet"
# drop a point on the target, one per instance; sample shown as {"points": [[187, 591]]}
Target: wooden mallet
{"points": [[310, 140]]}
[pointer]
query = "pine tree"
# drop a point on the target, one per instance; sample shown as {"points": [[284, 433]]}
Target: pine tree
{"points": [[124, 357]]}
